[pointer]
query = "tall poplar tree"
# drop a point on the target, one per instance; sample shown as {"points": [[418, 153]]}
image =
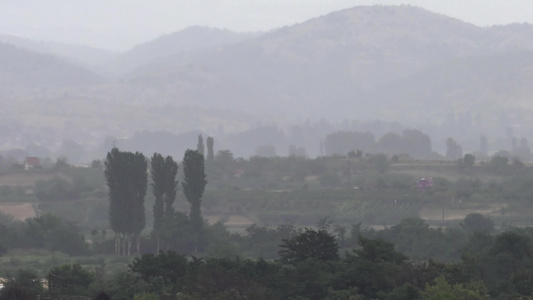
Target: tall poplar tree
{"points": [[126, 179], [200, 146], [164, 186], [157, 170], [194, 181], [210, 148]]}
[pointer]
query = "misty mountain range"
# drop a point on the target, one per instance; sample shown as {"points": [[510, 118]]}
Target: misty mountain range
{"points": [[390, 63]]}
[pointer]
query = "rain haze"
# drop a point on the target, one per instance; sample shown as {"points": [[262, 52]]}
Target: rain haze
{"points": [[121, 24], [302, 149], [255, 74]]}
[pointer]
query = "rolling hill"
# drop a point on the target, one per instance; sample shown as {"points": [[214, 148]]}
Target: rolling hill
{"points": [[390, 63], [23, 71], [81, 55], [320, 67], [178, 43]]}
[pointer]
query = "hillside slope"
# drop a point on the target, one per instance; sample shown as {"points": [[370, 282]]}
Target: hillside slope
{"points": [[318, 68], [22, 71]]}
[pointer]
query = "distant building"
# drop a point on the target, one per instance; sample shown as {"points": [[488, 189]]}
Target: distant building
{"points": [[32, 163]]}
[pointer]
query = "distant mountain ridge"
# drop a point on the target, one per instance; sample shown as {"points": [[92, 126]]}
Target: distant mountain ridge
{"points": [[22, 69], [318, 67], [180, 42], [392, 63], [82, 55]]}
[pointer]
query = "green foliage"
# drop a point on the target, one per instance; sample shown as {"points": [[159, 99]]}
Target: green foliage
{"points": [[69, 279], [200, 146], [468, 161], [125, 285], [169, 266], [443, 290], [380, 162], [371, 269], [499, 164], [310, 244], [264, 241], [210, 148], [126, 179], [14, 291], [193, 187], [350, 294], [25, 285], [404, 292], [51, 232], [146, 296], [164, 187], [414, 237], [476, 222], [454, 151]]}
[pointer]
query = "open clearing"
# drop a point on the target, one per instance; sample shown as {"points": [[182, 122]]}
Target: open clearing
{"points": [[18, 211], [23, 179]]}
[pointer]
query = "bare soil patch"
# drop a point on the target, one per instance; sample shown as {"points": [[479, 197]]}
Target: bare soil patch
{"points": [[18, 211], [233, 220]]}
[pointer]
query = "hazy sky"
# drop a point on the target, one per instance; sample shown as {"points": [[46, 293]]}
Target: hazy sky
{"points": [[121, 24]]}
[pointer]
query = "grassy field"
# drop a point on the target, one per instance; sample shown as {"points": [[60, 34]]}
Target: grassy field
{"points": [[299, 202]]}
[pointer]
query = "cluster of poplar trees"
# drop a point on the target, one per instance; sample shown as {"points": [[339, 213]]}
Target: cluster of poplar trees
{"points": [[127, 179]]}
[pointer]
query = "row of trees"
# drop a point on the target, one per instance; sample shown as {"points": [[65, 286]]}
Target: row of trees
{"points": [[310, 265], [127, 179], [414, 143]]}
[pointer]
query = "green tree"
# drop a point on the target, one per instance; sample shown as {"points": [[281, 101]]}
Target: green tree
{"points": [[13, 290], [468, 161], [380, 162], [200, 146], [25, 285], [126, 177], [319, 245], [210, 148], [194, 181], [167, 269], [443, 290], [453, 149], [371, 269], [476, 222], [50, 232], [157, 170], [164, 187], [499, 163], [69, 279]]}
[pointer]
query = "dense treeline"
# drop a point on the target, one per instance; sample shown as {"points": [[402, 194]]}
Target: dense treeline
{"points": [[311, 265]]}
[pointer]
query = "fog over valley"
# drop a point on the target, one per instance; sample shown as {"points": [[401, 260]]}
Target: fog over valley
{"points": [[379, 69], [269, 150]]}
